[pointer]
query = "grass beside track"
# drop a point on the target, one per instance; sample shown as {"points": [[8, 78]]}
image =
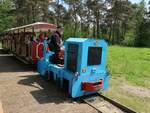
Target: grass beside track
{"points": [[129, 66], [133, 64]]}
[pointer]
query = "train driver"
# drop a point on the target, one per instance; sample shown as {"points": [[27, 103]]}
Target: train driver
{"points": [[56, 44]]}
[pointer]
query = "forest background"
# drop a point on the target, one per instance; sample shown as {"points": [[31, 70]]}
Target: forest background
{"points": [[120, 22]]}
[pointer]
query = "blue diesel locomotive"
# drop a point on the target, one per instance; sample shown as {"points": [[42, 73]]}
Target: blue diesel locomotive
{"points": [[84, 66]]}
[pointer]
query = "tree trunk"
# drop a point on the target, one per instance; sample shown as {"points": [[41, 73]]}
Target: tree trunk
{"points": [[75, 28], [94, 29], [81, 27], [110, 33], [113, 33], [97, 25], [33, 14], [58, 15]]}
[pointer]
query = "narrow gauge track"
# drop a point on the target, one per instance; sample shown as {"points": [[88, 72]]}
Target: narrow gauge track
{"points": [[106, 105]]}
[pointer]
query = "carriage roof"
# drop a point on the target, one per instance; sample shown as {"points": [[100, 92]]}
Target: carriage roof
{"points": [[38, 26]]}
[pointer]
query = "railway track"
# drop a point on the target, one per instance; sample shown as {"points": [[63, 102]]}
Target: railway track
{"points": [[106, 105]]}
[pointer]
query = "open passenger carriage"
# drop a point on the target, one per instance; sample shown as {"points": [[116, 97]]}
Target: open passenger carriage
{"points": [[19, 40]]}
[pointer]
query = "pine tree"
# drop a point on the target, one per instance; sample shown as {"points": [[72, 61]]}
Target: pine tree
{"points": [[118, 16], [6, 18], [29, 11]]}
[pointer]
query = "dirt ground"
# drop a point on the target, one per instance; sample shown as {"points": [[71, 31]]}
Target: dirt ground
{"points": [[23, 91], [139, 91]]}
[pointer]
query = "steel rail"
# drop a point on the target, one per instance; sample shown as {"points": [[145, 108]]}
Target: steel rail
{"points": [[117, 104], [103, 99]]}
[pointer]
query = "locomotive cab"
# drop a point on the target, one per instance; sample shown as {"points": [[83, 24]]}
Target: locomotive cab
{"points": [[85, 60]]}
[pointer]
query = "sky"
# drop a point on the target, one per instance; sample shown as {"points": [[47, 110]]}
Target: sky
{"points": [[133, 1], [138, 1]]}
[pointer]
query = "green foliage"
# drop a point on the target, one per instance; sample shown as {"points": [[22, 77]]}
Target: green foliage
{"points": [[143, 38], [118, 17], [123, 23], [5, 15], [139, 14], [30, 11], [129, 38], [68, 31]]}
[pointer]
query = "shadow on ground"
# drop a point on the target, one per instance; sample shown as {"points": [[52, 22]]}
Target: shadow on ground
{"points": [[8, 63], [45, 91]]}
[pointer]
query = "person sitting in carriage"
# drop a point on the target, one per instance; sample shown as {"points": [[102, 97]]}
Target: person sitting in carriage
{"points": [[34, 44], [56, 45]]}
